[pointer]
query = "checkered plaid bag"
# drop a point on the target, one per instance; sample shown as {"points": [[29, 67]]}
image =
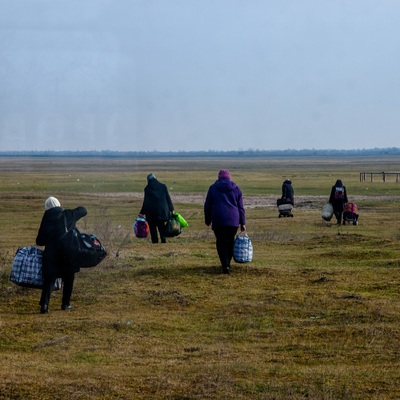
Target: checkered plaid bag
{"points": [[27, 268], [242, 248]]}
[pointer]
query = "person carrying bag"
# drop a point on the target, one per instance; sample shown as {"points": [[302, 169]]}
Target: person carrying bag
{"points": [[55, 265], [157, 208], [224, 211]]}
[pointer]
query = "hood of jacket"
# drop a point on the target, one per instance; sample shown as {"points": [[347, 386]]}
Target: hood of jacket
{"points": [[225, 185], [339, 183]]}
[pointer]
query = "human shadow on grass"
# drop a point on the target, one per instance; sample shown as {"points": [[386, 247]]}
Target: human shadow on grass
{"points": [[196, 270]]}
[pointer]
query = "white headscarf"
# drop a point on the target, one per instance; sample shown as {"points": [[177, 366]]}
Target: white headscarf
{"points": [[51, 202]]}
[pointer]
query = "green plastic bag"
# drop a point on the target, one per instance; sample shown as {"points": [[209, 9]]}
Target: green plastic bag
{"points": [[180, 219]]}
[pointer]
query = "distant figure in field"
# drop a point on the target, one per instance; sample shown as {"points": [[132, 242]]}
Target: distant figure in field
{"points": [[157, 207], [52, 229], [338, 198], [224, 211], [286, 202], [287, 192]]}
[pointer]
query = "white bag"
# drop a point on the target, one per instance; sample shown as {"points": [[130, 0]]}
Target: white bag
{"points": [[327, 212], [285, 207], [242, 248]]}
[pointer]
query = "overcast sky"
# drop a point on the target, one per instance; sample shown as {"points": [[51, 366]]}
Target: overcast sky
{"points": [[189, 75]]}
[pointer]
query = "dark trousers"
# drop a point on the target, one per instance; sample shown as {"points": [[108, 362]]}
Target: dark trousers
{"points": [[156, 227], [48, 285], [338, 207], [338, 215], [225, 239]]}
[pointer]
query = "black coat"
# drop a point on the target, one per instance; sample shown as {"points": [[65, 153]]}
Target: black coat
{"points": [[338, 204], [157, 204], [52, 229], [287, 192]]}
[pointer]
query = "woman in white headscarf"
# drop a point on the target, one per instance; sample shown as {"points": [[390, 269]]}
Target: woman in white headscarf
{"points": [[52, 229]]}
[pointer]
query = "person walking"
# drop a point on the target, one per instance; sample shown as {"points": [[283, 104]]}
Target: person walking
{"points": [[52, 229], [224, 211], [157, 207], [338, 198]]}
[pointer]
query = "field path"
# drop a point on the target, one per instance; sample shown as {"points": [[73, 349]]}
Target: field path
{"points": [[305, 202]]}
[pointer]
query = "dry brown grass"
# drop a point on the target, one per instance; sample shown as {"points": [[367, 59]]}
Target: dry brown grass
{"points": [[314, 316]]}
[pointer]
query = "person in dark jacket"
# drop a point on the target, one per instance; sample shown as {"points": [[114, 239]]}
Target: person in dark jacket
{"points": [[157, 207], [338, 198], [51, 231], [224, 211], [287, 192]]}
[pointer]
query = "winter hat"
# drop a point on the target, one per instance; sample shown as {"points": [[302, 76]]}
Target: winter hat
{"points": [[224, 174], [150, 177], [51, 202]]}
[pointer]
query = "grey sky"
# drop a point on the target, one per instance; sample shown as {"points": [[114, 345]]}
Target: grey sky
{"points": [[199, 74]]}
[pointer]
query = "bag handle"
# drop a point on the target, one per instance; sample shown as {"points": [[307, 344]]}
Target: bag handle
{"points": [[66, 226], [65, 223], [243, 233]]}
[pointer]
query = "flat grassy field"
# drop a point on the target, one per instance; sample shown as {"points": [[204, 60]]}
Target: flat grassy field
{"points": [[315, 315]]}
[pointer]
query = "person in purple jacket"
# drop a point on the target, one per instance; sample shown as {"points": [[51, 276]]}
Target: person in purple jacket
{"points": [[224, 211]]}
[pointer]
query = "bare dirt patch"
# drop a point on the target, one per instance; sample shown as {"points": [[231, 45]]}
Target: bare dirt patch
{"points": [[303, 202]]}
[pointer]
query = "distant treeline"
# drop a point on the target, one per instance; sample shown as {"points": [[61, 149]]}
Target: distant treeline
{"points": [[392, 151]]}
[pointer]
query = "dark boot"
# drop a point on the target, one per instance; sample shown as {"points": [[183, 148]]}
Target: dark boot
{"points": [[226, 269], [44, 309]]}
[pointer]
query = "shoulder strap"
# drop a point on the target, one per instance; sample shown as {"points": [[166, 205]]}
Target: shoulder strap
{"points": [[65, 223], [73, 227], [65, 226]]}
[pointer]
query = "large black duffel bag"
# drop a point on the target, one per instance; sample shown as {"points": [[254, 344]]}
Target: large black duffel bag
{"points": [[82, 249]]}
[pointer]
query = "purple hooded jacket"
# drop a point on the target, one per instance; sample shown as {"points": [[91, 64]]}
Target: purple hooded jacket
{"points": [[224, 205]]}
